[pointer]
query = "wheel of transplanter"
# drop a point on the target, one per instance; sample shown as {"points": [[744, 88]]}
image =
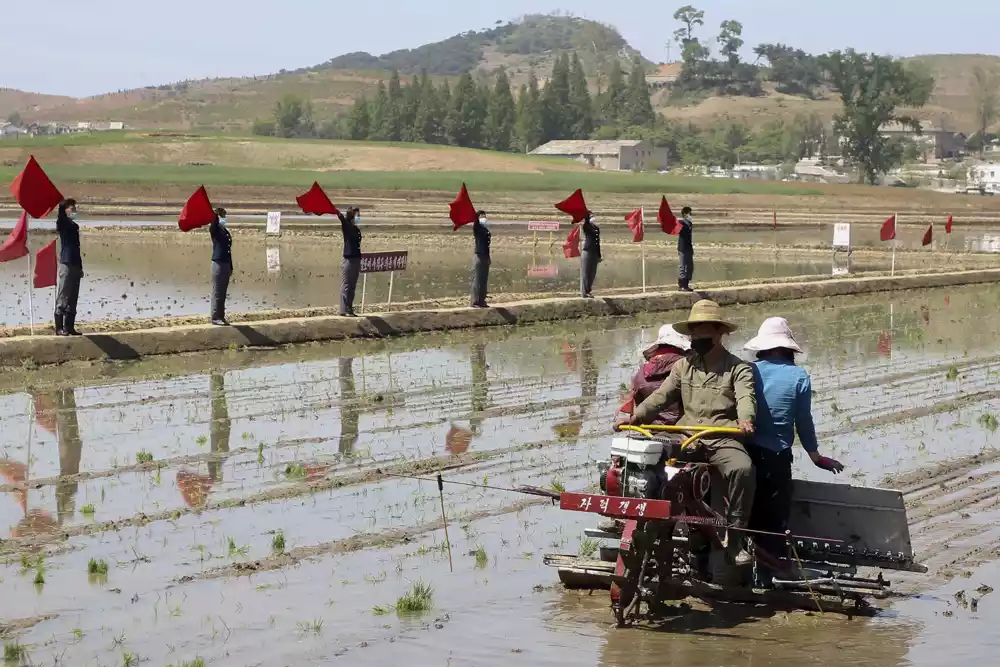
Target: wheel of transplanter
{"points": [[701, 481], [626, 584]]}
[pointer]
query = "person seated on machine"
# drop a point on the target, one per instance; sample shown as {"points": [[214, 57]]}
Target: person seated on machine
{"points": [[658, 360], [784, 407], [716, 388]]}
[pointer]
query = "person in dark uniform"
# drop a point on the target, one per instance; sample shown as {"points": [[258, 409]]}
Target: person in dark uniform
{"points": [[350, 267], [685, 252], [590, 257], [481, 262], [70, 269], [222, 266]]}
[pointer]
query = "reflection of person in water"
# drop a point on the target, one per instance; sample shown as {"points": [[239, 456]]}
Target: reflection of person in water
{"points": [[70, 450], [349, 408], [458, 439], [583, 362], [195, 487]]}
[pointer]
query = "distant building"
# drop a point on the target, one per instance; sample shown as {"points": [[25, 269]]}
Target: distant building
{"points": [[618, 155], [13, 132], [664, 75], [756, 172], [934, 140], [986, 177]]}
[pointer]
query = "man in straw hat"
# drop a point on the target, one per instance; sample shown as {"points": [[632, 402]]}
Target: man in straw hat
{"points": [[784, 391], [716, 388]]}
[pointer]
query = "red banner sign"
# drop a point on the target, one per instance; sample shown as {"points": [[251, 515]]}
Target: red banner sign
{"points": [[614, 506], [380, 262]]}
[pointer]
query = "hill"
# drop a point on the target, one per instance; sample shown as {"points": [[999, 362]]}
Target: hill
{"points": [[27, 104]]}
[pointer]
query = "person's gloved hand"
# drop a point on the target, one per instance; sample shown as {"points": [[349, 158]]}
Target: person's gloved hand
{"points": [[829, 464], [622, 420]]}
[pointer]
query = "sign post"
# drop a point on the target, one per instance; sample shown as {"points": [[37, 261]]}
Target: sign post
{"points": [[382, 262], [841, 241], [273, 227], [273, 260]]}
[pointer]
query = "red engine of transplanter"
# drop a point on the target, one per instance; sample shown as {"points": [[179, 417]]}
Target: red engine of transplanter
{"points": [[613, 478]]}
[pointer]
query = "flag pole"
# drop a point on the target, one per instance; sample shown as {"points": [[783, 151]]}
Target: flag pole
{"points": [[895, 228], [31, 298], [642, 246]]}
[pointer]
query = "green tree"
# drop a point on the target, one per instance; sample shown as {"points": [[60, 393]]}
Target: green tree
{"points": [[529, 115], [408, 114], [359, 123], [293, 117], [465, 118], [638, 105], [557, 114], [872, 88], [394, 110], [429, 114], [580, 101], [613, 102], [690, 17], [379, 130], [501, 115], [730, 41], [15, 119], [986, 98]]}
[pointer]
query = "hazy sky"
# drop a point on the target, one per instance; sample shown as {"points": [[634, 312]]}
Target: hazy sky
{"points": [[82, 48]]}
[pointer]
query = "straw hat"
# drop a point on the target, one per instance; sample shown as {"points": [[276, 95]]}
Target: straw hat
{"points": [[773, 333], [668, 336], [704, 312]]}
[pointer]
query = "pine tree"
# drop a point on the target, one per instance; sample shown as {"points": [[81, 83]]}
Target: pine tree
{"points": [[557, 114], [529, 116], [408, 118], [613, 104], [580, 102], [427, 124], [638, 105], [394, 110], [501, 115], [380, 109], [359, 122], [465, 116]]}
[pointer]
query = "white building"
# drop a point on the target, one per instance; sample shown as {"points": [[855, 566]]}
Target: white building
{"points": [[986, 177], [617, 155]]}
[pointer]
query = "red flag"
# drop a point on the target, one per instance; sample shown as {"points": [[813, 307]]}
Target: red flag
{"points": [[947, 226], [462, 211], [888, 232], [885, 343], [668, 221], [197, 212], [16, 245], [628, 407], [34, 191], [634, 220], [571, 248], [575, 206], [928, 236], [316, 202], [46, 265]]}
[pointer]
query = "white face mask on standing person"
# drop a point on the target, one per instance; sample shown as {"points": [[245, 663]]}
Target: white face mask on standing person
{"points": [[72, 214], [484, 221], [222, 222]]}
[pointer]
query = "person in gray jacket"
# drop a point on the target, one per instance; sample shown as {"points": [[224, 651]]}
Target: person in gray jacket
{"points": [[481, 262], [350, 266], [222, 266], [590, 257]]}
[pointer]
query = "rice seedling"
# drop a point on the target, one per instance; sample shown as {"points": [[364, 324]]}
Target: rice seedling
{"points": [[13, 653], [557, 485], [39, 579], [201, 440], [952, 373], [379, 610], [88, 510], [482, 559], [97, 567], [417, 600], [197, 662], [295, 471], [77, 634], [588, 547], [143, 457], [235, 550], [129, 659], [260, 454], [989, 422], [278, 542], [315, 626]]}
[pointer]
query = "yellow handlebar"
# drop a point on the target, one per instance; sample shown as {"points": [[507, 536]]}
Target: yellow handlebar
{"points": [[698, 432]]}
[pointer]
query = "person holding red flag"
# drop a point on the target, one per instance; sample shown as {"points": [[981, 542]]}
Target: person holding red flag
{"points": [[350, 267], [481, 262], [591, 255], [70, 269], [685, 251], [222, 265]]}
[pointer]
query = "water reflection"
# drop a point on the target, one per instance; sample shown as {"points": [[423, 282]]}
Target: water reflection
{"points": [[70, 451], [458, 439], [580, 361], [350, 411], [195, 487]]}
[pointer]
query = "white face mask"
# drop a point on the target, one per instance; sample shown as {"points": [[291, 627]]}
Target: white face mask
{"points": [[357, 219], [593, 220], [222, 222], [484, 222], [72, 215]]}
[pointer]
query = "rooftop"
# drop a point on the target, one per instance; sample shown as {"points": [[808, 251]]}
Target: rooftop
{"points": [[584, 147]]}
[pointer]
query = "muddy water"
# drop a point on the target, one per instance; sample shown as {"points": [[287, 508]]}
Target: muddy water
{"points": [[180, 472], [145, 275]]}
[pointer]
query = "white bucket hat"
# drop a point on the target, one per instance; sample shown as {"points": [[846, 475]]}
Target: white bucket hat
{"points": [[773, 333], [668, 336]]}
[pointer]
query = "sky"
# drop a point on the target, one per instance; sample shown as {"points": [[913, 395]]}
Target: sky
{"points": [[87, 48]]}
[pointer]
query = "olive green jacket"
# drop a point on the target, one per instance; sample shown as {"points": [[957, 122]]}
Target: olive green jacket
{"points": [[716, 396]]}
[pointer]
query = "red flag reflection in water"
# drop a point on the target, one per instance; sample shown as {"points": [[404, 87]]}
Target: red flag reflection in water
{"points": [[194, 487], [569, 357], [457, 440], [45, 411], [885, 343]]}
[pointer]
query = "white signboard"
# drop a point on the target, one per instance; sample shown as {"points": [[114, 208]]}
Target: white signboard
{"points": [[841, 270], [842, 235], [537, 226], [273, 260], [273, 223]]}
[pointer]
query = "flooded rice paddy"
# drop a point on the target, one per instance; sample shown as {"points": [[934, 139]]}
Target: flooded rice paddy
{"points": [[135, 275], [248, 508]]}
